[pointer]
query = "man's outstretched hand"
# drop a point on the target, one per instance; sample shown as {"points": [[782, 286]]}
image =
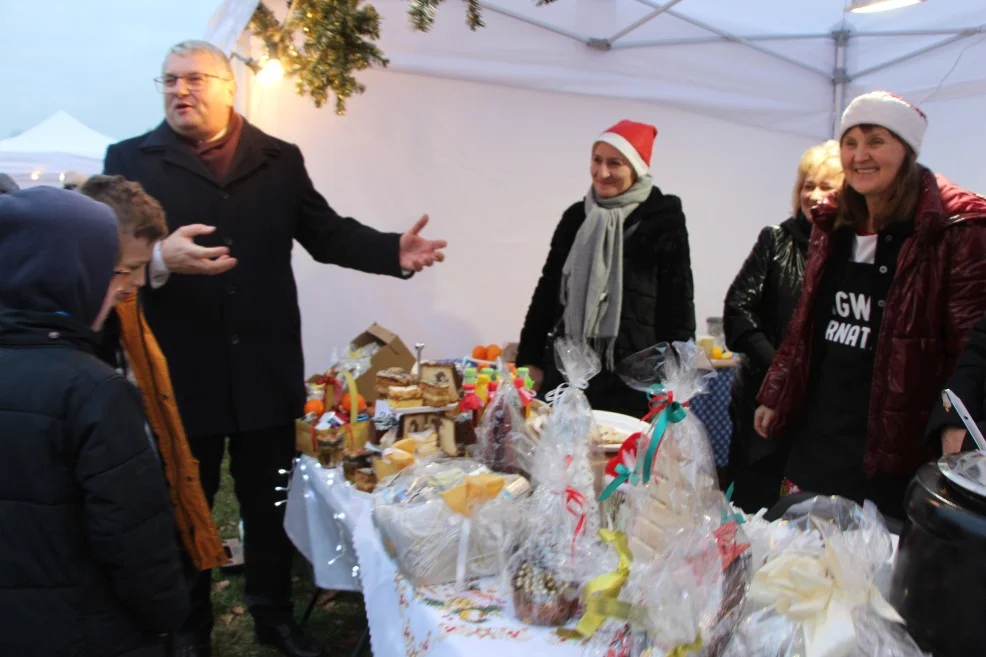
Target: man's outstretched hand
{"points": [[182, 255], [417, 252]]}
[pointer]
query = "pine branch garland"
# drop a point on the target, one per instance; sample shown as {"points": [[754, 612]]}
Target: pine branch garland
{"points": [[337, 39]]}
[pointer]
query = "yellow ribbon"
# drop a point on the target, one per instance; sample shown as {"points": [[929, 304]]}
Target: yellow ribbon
{"points": [[685, 648], [473, 491], [602, 592]]}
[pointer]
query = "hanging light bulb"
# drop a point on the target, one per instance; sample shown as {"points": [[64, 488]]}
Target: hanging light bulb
{"points": [[271, 71], [874, 6], [36, 174]]}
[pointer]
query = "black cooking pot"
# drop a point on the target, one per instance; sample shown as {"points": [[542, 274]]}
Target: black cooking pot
{"points": [[939, 575]]}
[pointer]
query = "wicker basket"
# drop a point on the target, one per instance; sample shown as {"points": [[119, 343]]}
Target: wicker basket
{"points": [[328, 445]]}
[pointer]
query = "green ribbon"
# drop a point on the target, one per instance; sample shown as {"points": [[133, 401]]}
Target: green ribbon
{"points": [[726, 517], [622, 476], [672, 413]]}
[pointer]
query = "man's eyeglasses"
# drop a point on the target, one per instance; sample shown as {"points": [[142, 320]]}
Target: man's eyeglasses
{"points": [[194, 81]]}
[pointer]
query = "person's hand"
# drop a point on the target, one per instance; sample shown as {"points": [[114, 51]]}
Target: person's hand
{"points": [[825, 210], [182, 255], [762, 419], [537, 376], [951, 440], [417, 252]]}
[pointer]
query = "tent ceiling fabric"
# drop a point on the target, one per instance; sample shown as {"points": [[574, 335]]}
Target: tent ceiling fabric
{"points": [[769, 63]]}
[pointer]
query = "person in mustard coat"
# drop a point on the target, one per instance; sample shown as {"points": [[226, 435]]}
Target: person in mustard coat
{"points": [[129, 346]]}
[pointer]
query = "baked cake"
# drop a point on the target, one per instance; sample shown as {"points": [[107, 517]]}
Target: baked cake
{"points": [[404, 397], [441, 373], [438, 395], [394, 376]]}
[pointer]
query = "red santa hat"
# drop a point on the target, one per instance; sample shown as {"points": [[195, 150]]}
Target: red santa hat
{"points": [[635, 141]]}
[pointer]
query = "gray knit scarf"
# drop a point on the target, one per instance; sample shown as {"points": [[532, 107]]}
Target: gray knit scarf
{"points": [[592, 278]]}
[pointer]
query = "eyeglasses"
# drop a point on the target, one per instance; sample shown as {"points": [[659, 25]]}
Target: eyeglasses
{"points": [[194, 81]]}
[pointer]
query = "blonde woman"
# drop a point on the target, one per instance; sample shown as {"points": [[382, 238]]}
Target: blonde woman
{"points": [[758, 305]]}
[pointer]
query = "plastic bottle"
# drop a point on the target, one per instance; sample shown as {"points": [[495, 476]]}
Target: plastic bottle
{"points": [[482, 388]]}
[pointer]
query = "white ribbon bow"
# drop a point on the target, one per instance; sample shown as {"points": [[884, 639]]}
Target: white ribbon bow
{"points": [[553, 396], [809, 588]]}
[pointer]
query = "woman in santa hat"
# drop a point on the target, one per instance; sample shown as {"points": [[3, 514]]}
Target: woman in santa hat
{"points": [[618, 273], [895, 282]]}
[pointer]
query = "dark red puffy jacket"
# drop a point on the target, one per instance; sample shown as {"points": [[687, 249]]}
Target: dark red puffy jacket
{"points": [[936, 298]]}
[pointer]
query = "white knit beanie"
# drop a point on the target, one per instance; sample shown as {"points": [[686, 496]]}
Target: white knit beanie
{"points": [[888, 111]]}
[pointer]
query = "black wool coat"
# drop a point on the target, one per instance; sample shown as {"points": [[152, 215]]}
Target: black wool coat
{"points": [[658, 296], [233, 341]]}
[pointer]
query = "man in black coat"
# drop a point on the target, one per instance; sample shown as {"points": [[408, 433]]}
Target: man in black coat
{"points": [[89, 564], [233, 338]]}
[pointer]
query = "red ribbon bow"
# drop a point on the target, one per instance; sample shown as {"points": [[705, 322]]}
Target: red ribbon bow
{"points": [[575, 504], [659, 402]]}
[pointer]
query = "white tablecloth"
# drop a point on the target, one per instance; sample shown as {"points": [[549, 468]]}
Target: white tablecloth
{"points": [[320, 518]]}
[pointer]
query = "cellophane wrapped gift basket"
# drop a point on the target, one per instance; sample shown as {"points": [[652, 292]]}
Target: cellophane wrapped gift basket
{"points": [[557, 548], [814, 591]]}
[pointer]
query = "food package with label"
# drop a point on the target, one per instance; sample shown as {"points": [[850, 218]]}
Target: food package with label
{"points": [[448, 520]]}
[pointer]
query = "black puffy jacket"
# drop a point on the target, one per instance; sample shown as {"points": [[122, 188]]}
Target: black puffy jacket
{"points": [[89, 564], [658, 296], [758, 305]]}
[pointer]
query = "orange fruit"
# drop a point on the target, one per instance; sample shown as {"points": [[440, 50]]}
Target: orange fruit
{"points": [[346, 402], [479, 352], [493, 352], [316, 406]]}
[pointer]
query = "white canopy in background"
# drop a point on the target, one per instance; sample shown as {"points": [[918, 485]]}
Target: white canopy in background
{"points": [[489, 131], [58, 144]]}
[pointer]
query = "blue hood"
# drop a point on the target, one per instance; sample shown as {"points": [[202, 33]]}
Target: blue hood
{"points": [[58, 250]]}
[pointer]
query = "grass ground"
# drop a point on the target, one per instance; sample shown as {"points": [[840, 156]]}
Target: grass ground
{"points": [[336, 624]]}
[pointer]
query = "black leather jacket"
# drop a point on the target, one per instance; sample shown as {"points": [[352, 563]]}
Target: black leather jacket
{"points": [[758, 305]]}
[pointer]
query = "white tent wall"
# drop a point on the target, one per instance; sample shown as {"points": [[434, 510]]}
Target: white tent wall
{"points": [[495, 167], [489, 132]]}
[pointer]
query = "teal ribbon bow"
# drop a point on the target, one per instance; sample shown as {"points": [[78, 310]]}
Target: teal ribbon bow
{"points": [[668, 412]]}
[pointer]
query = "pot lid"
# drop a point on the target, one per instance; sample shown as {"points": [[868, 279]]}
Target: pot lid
{"points": [[966, 471]]}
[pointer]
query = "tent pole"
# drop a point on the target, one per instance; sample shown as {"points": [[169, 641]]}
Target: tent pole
{"points": [[694, 41], [900, 33], [917, 53], [535, 23], [839, 78], [740, 40], [645, 19]]}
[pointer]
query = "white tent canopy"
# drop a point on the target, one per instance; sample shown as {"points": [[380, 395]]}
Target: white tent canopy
{"points": [[489, 132], [776, 64], [58, 144]]}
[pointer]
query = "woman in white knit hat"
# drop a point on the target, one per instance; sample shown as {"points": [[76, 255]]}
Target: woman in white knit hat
{"points": [[618, 273], [895, 281]]}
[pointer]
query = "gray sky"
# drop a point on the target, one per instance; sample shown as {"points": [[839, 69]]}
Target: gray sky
{"points": [[95, 59]]}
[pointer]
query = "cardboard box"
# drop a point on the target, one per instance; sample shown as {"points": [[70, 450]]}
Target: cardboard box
{"points": [[392, 353]]}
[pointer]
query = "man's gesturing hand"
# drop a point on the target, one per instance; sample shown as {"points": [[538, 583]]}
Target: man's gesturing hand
{"points": [[417, 252], [182, 255]]}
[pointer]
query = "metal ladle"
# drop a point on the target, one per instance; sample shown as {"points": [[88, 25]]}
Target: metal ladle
{"points": [[951, 401]]}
